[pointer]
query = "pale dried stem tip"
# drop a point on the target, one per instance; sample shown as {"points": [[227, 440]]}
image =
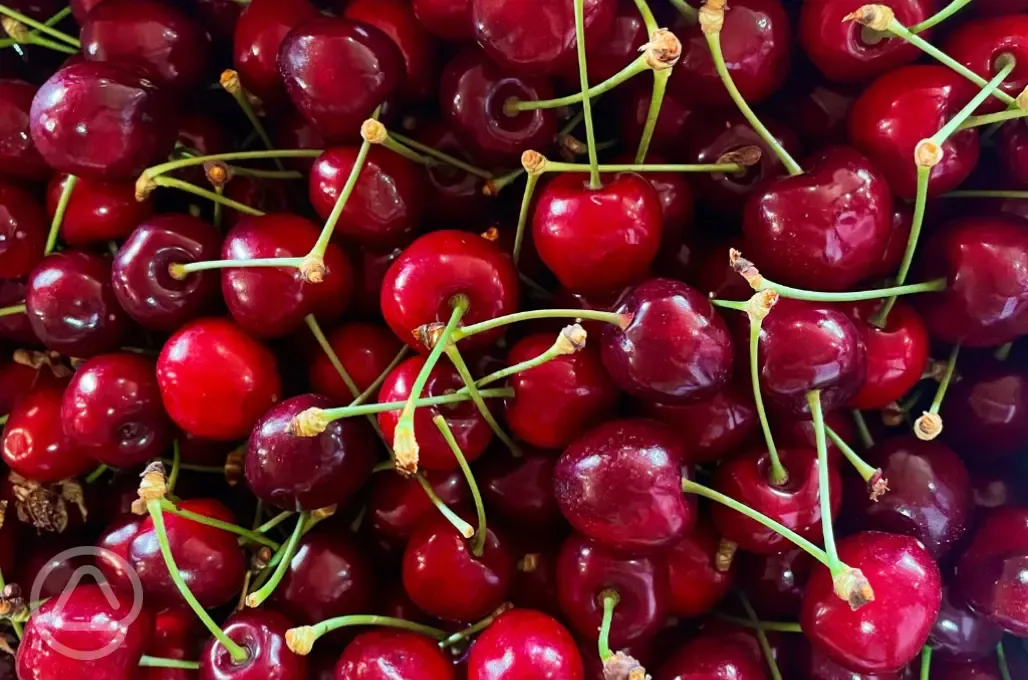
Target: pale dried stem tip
{"points": [[145, 186], [300, 640], [312, 269], [852, 586], [745, 269], [428, 334], [323, 513], [663, 50], [261, 559], [747, 156], [373, 132], [892, 414], [407, 451], [218, 173], [621, 666], [712, 16], [725, 554], [877, 486], [1022, 100], [571, 339], [230, 82], [533, 162], [876, 17], [153, 487], [529, 563], [308, 423], [234, 466], [17, 30], [491, 234], [760, 304], [928, 426], [927, 154]]}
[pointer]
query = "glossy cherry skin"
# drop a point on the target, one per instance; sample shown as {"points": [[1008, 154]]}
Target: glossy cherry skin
{"points": [[34, 445], [677, 114], [23, 231], [774, 583], [711, 657], [472, 93], [696, 583], [307, 473], [106, 121], [385, 207], [259, 34], [337, 72], [840, 51], [586, 569], [396, 505], [977, 44], [209, 362], [18, 156], [71, 304], [755, 40], [886, 634], [520, 490], [961, 635], [97, 212], [139, 273], [385, 654], [524, 644], [825, 229], [85, 622], [364, 349], [905, 106], [112, 408], [986, 411], [420, 284], [272, 301], [175, 637], [444, 578], [796, 504], [262, 633], [169, 43], [896, 355], [991, 573]]}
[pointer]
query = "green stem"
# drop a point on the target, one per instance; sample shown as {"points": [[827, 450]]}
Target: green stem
{"points": [[320, 629], [340, 412], [52, 21], [469, 383], [947, 377], [13, 309], [3, 418], [686, 10], [219, 207], [647, 16], [773, 626], [865, 471], [439, 155], [256, 598], [777, 474], [990, 118], [163, 168], [239, 94], [252, 536], [158, 662], [583, 78], [40, 41], [738, 306], [515, 106], [373, 387], [932, 286], [274, 522], [41, 27], [835, 565], [58, 219], [478, 542], [953, 125], [1002, 352], [406, 152], [940, 16], [619, 320], [553, 166], [462, 527], [495, 185], [257, 173], [1001, 662], [926, 662], [97, 473], [180, 271], [865, 434], [660, 79], [526, 203], [473, 629], [182, 185], [610, 600], [176, 466], [765, 646]]}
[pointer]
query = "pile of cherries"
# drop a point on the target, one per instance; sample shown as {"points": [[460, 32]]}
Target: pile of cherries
{"points": [[514, 339]]}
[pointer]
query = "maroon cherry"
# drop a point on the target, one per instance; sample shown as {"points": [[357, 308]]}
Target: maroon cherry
{"points": [[16, 379], [262, 633], [23, 230], [620, 484], [1012, 149], [709, 657], [697, 581], [978, 43], [798, 432], [774, 583], [520, 490], [453, 196], [15, 327], [175, 637], [258, 38], [268, 196], [364, 349], [204, 135], [338, 71], [292, 131], [617, 50], [307, 473], [887, 633], [219, 17], [396, 504], [385, 654], [981, 669], [523, 644], [18, 156], [961, 635], [818, 110], [896, 354], [677, 115], [676, 204], [370, 267], [991, 573], [102, 120], [34, 445], [447, 19], [819, 666], [97, 212]]}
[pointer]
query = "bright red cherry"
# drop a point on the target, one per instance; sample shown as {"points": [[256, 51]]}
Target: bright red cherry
{"points": [[774, 583], [97, 212], [991, 574], [385, 654], [697, 582], [961, 635], [18, 156], [23, 230], [520, 490], [524, 644], [211, 362], [886, 634], [978, 43], [710, 657], [896, 355], [34, 445], [259, 34], [396, 504], [364, 349], [262, 633]]}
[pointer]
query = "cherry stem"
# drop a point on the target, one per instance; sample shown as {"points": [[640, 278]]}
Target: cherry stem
{"points": [[773, 626], [932, 286], [13, 309], [1002, 352], [660, 79], [96, 474], [52, 21], [217, 198], [478, 542], [180, 271], [159, 662], [256, 598], [947, 377], [301, 639], [865, 434], [1007, 63], [41, 27], [865, 471], [441, 156], [340, 412], [176, 466], [274, 522], [469, 384], [58, 219], [373, 387], [583, 78], [26, 37], [619, 320], [252, 536], [230, 82], [765, 646], [1001, 662], [988, 119], [686, 10], [512, 107], [462, 527], [3, 418], [157, 170], [609, 599], [495, 185], [16, 625], [835, 565], [526, 204], [920, 202], [238, 654], [940, 16], [926, 662], [474, 628], [402, 150], [552, 166], [777, 474]]}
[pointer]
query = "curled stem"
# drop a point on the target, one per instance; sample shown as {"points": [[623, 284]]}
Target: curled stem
{"points": [[469, 384], [256, 598], [478, 542], [58, 219]]}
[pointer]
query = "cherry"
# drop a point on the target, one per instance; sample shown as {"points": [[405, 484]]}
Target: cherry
{"points": [[617, 50], [97, 212], [774, 583], [105, 121], [23, 230], [420, 285], [799, 432], [308, 473], [84, 621], [170, 44], [211, 362], [446, 580], [620, 484], [586, 570], [396, 504], [18, 156], [386, 654], [959, 634], [472, 94], [997, 7], [174, 638], [887, 633], [982, 669], [758, 73], [71, 304], [520, 490], [259, 34], [709, 656], [261, 632], [896, 354], [535, 581], [819, 110], [38, 555], [313, 60], [17, 379], [385, 207], [204, 135], [267, 196], [846, 52], [370, 267], [453, 196], [112, 409], [364, 349], [990, 573], [117, 539], [292, 131], [448, 19], [796, 504], [272, 301], [903, 107], [677, 114], [523, 644], [819, 666], [825, 229], [80, 9], [697, 581], [219, 17], [978, 43]]}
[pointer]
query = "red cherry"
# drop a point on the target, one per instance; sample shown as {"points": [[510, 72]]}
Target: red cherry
{"points": [[775, 583], [113, 543], [292, 131], [175, 633], [386, 654], [523, 645], [370, 267], [18, 156], [396, 504], [1012, 148], [960, 634], [708, 657], [15, 327], [520, 490], [617, 50], [798, 432], [23, 231], [364, 349], [96, 212], [211, 362], [697, 583], [262, 633], [205, 135], [448, 19], [259, 34], [677, 114], [978, 43], [991, 573], [453, 196], [997, 7], [896, 355]]}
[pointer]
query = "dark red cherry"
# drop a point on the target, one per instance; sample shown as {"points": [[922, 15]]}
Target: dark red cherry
{"points": [[756, 41], [15, 327], [896, 354], [676, 349], [977, 44], [676, 204], [385, 654], [520, 490], [796, 504], [420, 285], [396, 504], [523, 644], [997, 7], [203, 134], [85, 623], [139, 274], [292, 131], [620, 484], [170, 44], [364, 349], [446, 580], [370, 267], [819, 666], [992, 575], [886, 634], [982, 669], [711, 657], [844, 51], [18, 156], [175, 637], [337, 72], [386, 205], [617, 50], [97, 212], [697, 582], [307, 473], [677, 114], [818, 110], [72, 307], [774, 583], [102, 120], [825, 229], [16, 379], [34, 445], [585, 570], [269, 196], [211, 362], [905, 106], [219, 17], [45, 568], [262, 633], [472, 94], [23, 231], [259, 34], [1012, 149], [272, 301], [584, 256], [80, 9], [470, 430], [447, 19], [961, 635], [112, 409], [453, 197]]}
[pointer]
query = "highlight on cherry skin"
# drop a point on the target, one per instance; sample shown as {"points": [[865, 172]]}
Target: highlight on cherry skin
{"points": [[510, 340]]}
